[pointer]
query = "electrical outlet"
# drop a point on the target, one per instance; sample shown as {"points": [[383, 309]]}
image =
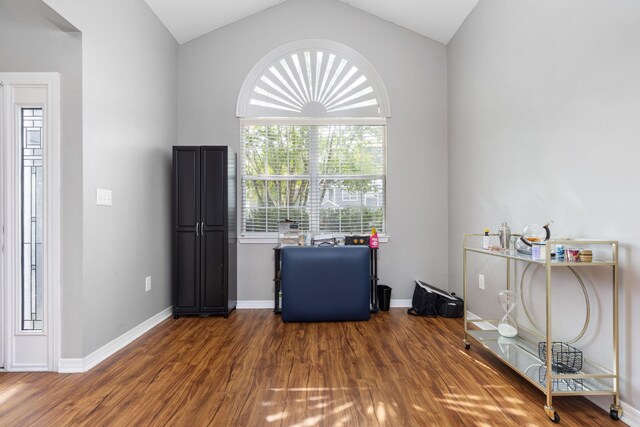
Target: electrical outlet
{"points": [[103, 197], [481, 281], [147, 284]]}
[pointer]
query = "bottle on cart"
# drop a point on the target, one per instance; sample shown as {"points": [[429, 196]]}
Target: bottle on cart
{"points": [[505, 235], [373, 240], [485, 239]]}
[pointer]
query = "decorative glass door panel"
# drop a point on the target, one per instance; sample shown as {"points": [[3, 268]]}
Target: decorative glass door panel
{"points": [[32, 219]]}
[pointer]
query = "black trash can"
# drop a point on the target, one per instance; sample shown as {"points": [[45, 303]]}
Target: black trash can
{"points": [[384, 297]]}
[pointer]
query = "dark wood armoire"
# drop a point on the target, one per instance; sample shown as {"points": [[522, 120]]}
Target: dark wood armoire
{"points": [[204, 230]]}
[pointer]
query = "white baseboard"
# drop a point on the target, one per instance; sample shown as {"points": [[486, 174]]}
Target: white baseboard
{"points": [[630, 415], [70, 366], [104, 352], [254, 304], [401, 303], [259, 304], [29, 368], [485, 326]]}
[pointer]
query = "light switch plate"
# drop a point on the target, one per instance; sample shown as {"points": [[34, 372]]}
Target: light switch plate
{"points": [[103, 197], [147, 283], [481, 281]]}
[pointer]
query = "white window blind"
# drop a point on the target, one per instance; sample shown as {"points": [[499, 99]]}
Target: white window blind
{"points": [[329, 178]]}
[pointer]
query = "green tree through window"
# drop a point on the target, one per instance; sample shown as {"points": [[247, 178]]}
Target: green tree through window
{"points": [[305, 173]]}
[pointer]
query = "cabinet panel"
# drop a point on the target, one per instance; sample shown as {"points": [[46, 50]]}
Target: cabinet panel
{"points": [[213, 186], [186, 274], [186, 186], [213, 274]]}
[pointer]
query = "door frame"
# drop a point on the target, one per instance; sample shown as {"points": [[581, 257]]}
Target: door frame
{"points": [[9, 296]]}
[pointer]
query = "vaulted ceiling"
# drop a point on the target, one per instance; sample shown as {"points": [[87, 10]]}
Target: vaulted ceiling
{"points": [[189, 19]]}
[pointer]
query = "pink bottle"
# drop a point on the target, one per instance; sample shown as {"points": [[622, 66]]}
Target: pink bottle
{"points": [[373, 240]]}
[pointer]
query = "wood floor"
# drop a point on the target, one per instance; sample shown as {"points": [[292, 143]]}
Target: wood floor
{"points": [[254, 370]]}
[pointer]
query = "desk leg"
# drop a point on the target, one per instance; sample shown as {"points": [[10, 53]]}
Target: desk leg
{"points": [[374, 280], [277, 280]]}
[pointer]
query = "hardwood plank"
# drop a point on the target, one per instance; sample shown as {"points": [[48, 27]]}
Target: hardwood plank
{"points": [[252, 370]]}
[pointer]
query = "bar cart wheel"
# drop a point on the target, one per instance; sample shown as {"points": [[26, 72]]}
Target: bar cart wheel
{"points": [[467, 344], [552, 414], [615, 413]]}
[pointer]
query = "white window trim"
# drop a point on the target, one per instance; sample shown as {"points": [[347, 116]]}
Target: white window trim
{"points": [[272, 239], [52, 272], [314, 121]]}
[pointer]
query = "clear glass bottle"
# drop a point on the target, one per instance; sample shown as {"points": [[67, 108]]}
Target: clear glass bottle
{"points": [[485, 239]]}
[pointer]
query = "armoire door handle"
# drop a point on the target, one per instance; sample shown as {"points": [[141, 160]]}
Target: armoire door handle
{"points": [[202, 228], [197, 225]]}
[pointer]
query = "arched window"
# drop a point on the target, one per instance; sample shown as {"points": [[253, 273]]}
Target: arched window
{"points": [[313, 127]]}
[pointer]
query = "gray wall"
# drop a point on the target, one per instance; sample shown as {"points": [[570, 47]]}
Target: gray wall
{"points": [[129, 63], [544, 100], [213, 67], [30, 43]]}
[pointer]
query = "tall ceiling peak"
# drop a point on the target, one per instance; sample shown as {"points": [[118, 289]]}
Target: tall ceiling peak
{"points": [[189, 19], [436, 19]]}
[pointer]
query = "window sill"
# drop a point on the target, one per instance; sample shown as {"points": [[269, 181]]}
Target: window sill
{"points": [[270, 240]]}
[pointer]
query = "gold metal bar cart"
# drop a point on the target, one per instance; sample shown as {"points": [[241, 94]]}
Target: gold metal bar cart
{"points": [[521, 353]]}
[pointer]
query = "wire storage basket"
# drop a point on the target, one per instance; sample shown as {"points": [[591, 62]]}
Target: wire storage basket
{"points": [[560, 384], [564, 358]]}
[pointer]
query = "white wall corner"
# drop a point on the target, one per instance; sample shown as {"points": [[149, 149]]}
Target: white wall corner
{"points": [[83, 365]]}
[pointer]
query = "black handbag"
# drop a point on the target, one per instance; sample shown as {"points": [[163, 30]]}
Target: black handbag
{"points": [[450, 307], [424, 302], [429, 301]]}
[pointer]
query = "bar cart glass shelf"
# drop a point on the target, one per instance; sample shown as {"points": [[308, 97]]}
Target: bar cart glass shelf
{"points": [[521, 352]]}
